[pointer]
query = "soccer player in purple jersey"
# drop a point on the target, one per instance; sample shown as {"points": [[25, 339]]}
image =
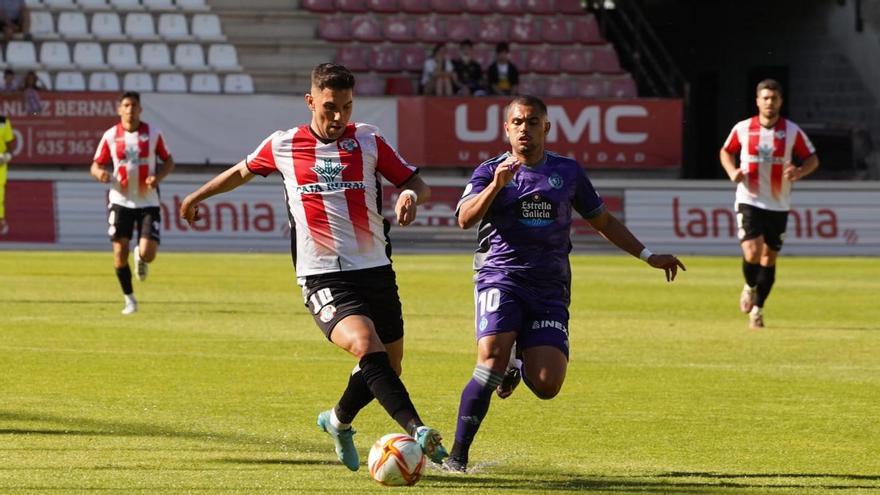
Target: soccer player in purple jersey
{"points": [[523, 200]]}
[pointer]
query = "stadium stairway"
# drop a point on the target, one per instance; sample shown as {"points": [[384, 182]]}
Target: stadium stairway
{"points": [[275, 40]]}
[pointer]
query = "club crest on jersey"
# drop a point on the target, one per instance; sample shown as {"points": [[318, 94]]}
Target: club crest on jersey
{"points": [[779, 134], [329, 171], [555, 181], [327, 313], [131, 154], [348, 144]]}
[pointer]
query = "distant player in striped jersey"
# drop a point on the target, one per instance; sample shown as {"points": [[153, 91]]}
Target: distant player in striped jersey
{"points": [[766, 145], [331, 170], [524, 201], [131, 147]]}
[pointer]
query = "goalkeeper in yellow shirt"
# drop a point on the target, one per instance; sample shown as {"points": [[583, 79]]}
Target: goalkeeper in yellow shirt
{"points": [[6, 140]]}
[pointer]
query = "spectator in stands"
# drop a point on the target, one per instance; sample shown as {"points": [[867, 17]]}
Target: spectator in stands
{"points": [[438, 74], [9, 82], [15, 18], [468, 71], [7, 138], [30, 87], [503, 74]]}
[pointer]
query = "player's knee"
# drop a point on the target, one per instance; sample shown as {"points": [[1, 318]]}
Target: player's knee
{"points": [[547, 391]]}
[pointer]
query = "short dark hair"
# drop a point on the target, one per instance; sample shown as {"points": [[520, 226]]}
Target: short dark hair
{"points": [[134, 95], [771, 84], [502, 47], [333, 76], [528, 101]]}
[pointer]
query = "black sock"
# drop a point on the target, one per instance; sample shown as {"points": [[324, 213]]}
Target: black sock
{"points": [[389, 390], [355, 397], [766, 277], [124, 276], [750, 271]]}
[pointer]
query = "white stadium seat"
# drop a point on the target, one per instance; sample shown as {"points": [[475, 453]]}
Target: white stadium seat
{"points": [[72, 26], [122, 56], [171, 83], [70, 81], [206, 27], [45, 78], [224, 58], [138, 81], [192, 5], [103, 81], [140, 26], [92, 5], [160, 5], [43, 26], [106, 26], [238, 83], [204, 83], [172, 27], [55, 55], [88, 55], [57, 5], [126, 5], [156, 57], [21, 55], [34, 4], [189, 56]]}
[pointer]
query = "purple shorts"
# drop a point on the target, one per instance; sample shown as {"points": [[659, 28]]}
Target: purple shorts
{"points": [[537, 320]]}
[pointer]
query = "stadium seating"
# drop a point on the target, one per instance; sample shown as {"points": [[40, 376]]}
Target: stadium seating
{"points": [[156, 57], [138, 81], [70, 81], [204, 83], [93, 5], [72, 26], [172, 27], [159, 5], [122, 56], [45, 78], [43, 26], [238, 83], [106, 26], [171, 83], [223, 58], [88, 55], [22, 55], [126, 5], [192, 5], [189, 57], [206, 27], [103, 81]]}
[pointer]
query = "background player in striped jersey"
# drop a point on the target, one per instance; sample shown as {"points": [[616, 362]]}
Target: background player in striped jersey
{"points": [[765, 144], [132, 146], [524, 200], [331, 171]]}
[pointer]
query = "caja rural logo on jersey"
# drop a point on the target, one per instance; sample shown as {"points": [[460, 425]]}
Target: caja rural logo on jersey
{"points": [[536, 211], [330, 175]]}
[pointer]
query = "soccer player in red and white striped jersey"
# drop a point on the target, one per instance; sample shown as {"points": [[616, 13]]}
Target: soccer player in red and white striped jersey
{"points": [[766, 144], [332, 172], [131, 147]]}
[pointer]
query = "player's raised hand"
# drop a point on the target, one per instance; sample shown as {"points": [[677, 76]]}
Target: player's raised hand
{"points": [[189, 211], [668, 263], [406, 209], [737, 176], [506, 170]]}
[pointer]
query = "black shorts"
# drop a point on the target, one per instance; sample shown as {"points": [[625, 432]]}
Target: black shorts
{"points": [[124, 222], [755, 222], [371, 292]]}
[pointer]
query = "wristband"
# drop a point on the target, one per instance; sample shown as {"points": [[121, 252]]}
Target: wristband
{"points": [[410, 192], [645, 254]]}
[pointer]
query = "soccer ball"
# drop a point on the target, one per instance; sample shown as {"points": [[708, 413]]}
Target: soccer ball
{"points": [[396, 460]]}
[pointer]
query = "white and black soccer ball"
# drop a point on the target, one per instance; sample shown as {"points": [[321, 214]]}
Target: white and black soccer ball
{"points": [[396, 460]]}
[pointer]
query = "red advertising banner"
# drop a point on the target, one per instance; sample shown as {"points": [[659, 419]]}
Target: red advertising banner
{"points": [[30, 211], [638, 133], [65, 132]]}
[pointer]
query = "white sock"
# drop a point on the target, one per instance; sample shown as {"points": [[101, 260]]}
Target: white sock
{"points": [[334, 421], [513, 362], [129, 299], [756, 310]]}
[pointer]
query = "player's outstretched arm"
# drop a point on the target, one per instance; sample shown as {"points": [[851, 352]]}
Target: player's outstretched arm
{"points": [[228, 180], [616, 232], [414, 192]]}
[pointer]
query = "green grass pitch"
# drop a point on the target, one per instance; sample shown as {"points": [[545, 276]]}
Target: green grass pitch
{"points": [[213, 387]]}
